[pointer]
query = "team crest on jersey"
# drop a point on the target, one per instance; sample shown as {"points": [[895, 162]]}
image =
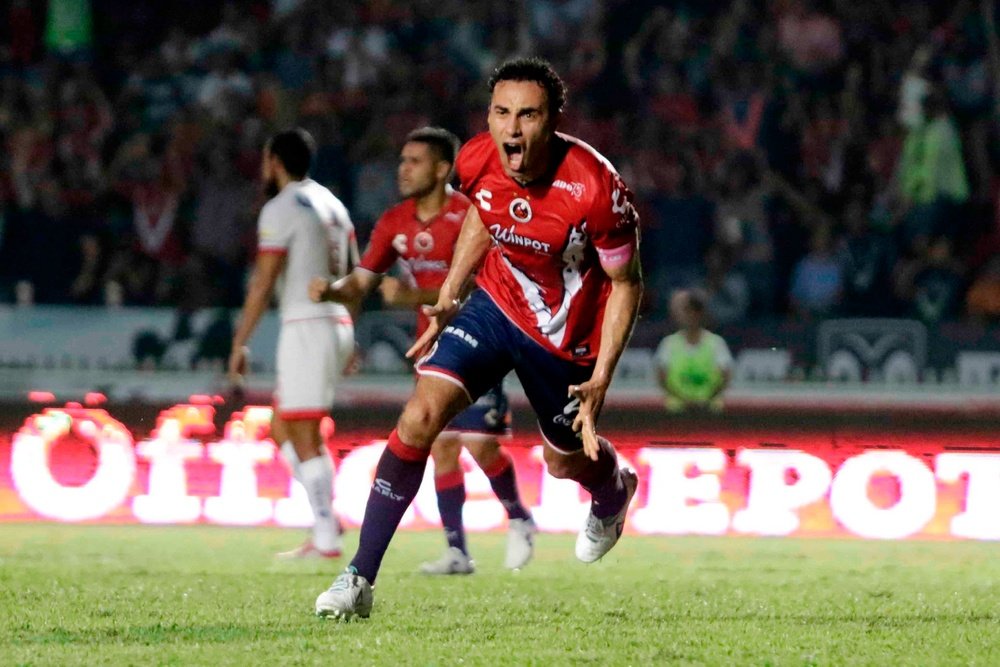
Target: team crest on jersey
{"points": [[520, 210], [423, 242]]}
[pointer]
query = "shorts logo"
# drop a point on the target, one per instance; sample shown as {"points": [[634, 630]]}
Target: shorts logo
{"points": [[568, 413], [423, 242], [462, 335], [520, 210]]}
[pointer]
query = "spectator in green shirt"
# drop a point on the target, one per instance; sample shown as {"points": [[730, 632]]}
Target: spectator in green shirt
{"points": [[932, 177], [694, 365]]}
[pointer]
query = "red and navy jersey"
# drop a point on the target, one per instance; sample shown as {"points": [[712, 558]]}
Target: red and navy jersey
{"points": [[543, 269], [422, 248]]}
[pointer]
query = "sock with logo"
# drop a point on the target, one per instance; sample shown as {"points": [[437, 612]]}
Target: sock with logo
{"points": [[504, 482], [397, 479], [603, 480], [451, 499]]}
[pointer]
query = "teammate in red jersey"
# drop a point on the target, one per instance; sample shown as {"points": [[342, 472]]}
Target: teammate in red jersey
{"points": [[420, 234], [554, 231]]}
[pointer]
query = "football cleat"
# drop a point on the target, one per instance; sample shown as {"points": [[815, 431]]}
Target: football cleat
{"points": [[520, 543], [600, 535], [349, 595], [453, 561], [308, 550]]}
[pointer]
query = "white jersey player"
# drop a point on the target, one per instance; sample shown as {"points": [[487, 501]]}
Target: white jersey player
{"points": [[303, 230]]}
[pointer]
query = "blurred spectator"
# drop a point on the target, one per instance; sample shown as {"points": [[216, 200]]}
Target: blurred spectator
{"points": [[741, 224], [222, 225], [69, 28], [931, 284], [869, 257], [726, 291], [694, 365], [932, 174], [680, 222], [818, 279], [811, 38]]}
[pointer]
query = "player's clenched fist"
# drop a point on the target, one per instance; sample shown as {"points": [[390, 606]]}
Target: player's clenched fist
{"points": [[319, 289]]}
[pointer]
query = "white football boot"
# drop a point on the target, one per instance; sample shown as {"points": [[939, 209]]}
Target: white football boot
{"points": [[520, 543], [600, 535], [349, 595], [453, 561]]}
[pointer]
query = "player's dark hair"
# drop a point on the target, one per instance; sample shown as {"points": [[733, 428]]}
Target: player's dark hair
{"points": [[537, 70], [443, 143], [295, 148]]}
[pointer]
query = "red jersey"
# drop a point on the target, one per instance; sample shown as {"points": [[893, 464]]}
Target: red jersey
{"points": [[422, 248], [543, 269]]}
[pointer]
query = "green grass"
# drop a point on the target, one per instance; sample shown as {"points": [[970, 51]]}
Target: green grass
{"points": [[214, 596]]}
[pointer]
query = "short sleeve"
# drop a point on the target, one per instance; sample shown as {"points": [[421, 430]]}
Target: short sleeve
{"points": [[274, 234], [723, 357], [612, 222], [380, 254]]}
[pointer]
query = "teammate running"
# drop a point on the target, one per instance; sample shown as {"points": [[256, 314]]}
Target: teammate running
{"points": [[420, 234], [553, 227], [304, 230]]}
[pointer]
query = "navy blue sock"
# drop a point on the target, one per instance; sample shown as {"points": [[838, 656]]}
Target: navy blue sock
{"points": [[451, 499], [504, 483], [604, 482], [397, 479]]}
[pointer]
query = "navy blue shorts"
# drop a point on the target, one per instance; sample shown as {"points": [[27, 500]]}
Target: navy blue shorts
{"points": [[481, 345], [489, 415]]}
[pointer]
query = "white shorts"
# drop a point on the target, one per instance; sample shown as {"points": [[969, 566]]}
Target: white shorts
{"points": [[311, 357]]}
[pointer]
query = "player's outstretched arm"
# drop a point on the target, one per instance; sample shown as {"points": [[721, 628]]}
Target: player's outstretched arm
{"points": [[473, 242], [265, 274], [349, 290], [397, 294], [620, 314]]}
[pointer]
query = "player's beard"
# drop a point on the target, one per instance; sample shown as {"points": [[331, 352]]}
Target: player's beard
{"points": [[417, 190]]}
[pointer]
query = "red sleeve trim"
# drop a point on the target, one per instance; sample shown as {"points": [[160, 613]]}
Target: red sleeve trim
{"points": [[272, 251]]}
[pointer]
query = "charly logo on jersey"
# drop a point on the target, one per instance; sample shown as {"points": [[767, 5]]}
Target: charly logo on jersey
{"points": [[484, 197], [619, 201], [399, 243], [423, 242], [520, 209]]}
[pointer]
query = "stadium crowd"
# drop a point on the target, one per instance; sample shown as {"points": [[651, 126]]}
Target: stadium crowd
{"points": [[793, 158]]}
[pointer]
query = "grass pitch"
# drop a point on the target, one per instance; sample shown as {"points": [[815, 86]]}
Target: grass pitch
{"points": [[214, 596]]}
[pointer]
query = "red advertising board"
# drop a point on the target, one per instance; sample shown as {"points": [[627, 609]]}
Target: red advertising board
{"points": [[79, 464]]}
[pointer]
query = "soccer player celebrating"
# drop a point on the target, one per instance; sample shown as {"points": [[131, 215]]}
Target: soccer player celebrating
{"points": [[555, 231], [304, 230], [420, 234]]}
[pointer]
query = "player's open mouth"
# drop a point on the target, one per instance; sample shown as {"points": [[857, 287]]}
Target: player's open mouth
{"points": [[515, 154]]}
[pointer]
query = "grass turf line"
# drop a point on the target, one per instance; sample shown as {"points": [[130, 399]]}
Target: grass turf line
{"points": [[204, 595]]}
